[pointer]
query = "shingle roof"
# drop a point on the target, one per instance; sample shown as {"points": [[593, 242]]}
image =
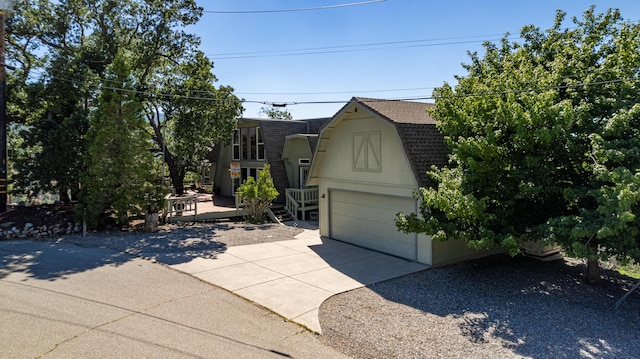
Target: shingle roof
{"points": [[274, 134], [399, 111], [423, 143]]}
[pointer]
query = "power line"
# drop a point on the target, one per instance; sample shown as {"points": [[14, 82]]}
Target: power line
{"points": [[326, 7], [336, 92], [80, 81], [356, 45], [352, 50], [290, 103], [351, 46]]}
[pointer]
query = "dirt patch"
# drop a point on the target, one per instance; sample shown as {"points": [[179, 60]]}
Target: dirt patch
{"points": [[42, 215]]}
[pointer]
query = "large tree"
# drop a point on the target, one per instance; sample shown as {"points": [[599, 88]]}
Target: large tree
{"points": [[544, 136], [75, 41], [197, 115], [119, 178]]}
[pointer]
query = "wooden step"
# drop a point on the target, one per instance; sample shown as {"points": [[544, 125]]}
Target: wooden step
{"points": [[281, 213]]}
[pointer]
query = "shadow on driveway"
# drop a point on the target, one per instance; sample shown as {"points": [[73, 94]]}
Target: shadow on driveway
{"points": [[35, 260]]}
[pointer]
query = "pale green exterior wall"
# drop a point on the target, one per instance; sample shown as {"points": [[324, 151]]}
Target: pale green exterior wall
{"points": [[297, 148], [456, 250], [333, 169], [336, 169]]}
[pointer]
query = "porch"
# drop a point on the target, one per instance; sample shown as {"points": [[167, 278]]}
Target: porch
{"points": [[193, 207], [301, 201]]}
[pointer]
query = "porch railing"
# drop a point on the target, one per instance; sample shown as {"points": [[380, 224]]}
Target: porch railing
{"points": [[301, 200], [176, 206]]}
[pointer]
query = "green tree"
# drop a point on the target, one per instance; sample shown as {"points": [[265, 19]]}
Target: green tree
{"points": [[258, 195], [53, 106], [75, 41], [193, 123], [119, 178], [544, 135], [276, 113]]}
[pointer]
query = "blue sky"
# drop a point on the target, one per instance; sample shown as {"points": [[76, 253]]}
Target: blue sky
{"points": [[427, 41]]}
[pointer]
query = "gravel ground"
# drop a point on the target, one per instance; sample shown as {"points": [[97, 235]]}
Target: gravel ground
{"points": [[491, 308], [184, 240]]}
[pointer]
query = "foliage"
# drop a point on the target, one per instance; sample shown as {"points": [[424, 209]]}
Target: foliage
{"points": [[545, 138], [74, 41], [194, 125], [632, 270], [55, 118], [118, 180], [258, 195], [276, 113]]}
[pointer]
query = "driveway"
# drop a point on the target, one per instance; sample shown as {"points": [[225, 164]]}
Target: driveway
{"points": [[294, 277], [61, 300]]}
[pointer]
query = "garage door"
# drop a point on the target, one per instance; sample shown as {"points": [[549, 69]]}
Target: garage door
{"points": [[367, 220]]}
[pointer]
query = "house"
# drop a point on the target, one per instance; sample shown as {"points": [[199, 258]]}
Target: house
{"points": [[370, 158], [286, 145]]}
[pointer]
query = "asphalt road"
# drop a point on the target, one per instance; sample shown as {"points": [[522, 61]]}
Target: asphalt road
{"points": [[63, 301]]}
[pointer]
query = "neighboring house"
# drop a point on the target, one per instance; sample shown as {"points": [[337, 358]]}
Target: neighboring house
{"points": [[370, 158], [286, 145]]}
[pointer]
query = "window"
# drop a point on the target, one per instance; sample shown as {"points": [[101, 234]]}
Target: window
{"points": [[236, 144], [244, 135], [260, 145], [249, 172], [248, 144]]}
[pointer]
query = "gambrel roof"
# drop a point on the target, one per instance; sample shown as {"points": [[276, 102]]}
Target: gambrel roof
{"points": [[423, 143]]}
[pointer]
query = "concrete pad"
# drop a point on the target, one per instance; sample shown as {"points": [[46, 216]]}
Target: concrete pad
{"points": [[239, 276], [286, 296], [294, 277], [310, 320], [313, 234], [382, 266], [293, 264], [337, 253], [332, 280], [256, 252], [300, 245], [197, 265]]}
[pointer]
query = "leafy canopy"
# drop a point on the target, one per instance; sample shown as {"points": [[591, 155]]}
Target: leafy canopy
{"points": [[63, 49], [119, 179], [545, 143]]}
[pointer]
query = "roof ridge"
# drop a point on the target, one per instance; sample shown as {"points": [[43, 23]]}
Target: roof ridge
{"points": [[398, 111]]}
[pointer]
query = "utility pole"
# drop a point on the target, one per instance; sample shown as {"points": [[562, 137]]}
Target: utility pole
{"points": [[5, 6]]}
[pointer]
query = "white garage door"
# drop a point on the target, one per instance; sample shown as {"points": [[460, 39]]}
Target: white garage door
{"points": [[367, 220]]}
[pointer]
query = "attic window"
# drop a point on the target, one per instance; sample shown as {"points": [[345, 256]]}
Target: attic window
{"points": [[367, 150], [304, 161]]}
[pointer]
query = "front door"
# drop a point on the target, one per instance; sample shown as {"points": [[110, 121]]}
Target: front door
{"points": [[304, 174]]}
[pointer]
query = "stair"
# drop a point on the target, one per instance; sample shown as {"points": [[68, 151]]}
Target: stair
{"points": [[281, 213]]}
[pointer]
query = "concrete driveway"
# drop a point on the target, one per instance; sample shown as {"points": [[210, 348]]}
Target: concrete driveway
{"points": [[63, 301], [294, 277]]}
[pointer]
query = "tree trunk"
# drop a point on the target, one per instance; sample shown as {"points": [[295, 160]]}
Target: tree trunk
{"points": [[151, 220], [175, 173], [177, 180], [593, 272]]}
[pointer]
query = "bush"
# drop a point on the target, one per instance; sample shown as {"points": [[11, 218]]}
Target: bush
{"points": [[257, 196]]}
